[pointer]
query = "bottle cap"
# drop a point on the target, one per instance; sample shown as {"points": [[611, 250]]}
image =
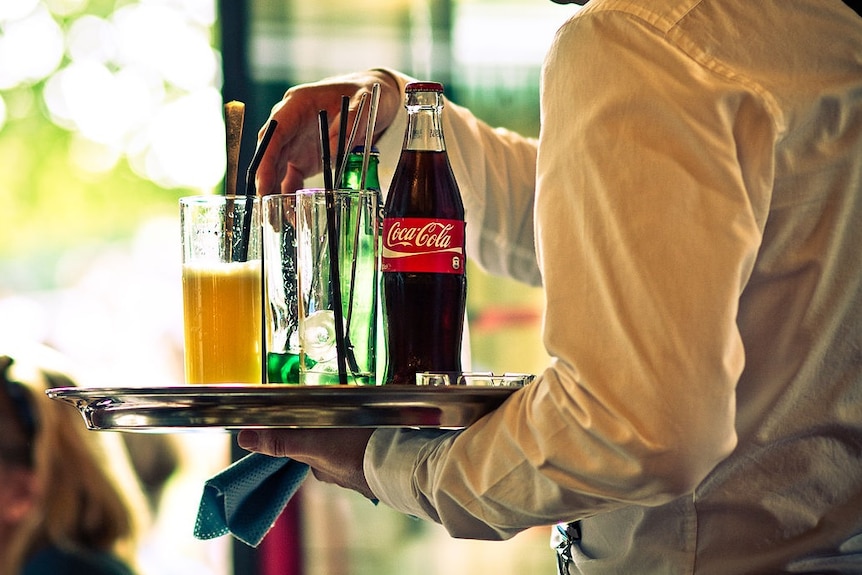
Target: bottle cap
{"points": [[424, 87]]}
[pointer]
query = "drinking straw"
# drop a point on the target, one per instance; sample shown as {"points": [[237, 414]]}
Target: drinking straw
{"points": [[369, 133], [342, 136], [326, 158], [349, 145], [251, 189], [334, 280], [250, 184], [242, 249], [234, 114], [341, 164]]}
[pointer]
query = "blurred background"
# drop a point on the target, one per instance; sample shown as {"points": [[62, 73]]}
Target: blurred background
{"points": [[110, 110]]}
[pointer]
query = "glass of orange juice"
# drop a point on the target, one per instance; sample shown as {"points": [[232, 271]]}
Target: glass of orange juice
{"points": [[221, 278]]}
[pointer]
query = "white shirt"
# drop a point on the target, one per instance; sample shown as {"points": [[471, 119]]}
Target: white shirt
{"points": [[693, 208]]}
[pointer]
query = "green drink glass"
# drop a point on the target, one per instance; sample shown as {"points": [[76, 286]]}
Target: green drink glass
{"points": [[301, 272]]}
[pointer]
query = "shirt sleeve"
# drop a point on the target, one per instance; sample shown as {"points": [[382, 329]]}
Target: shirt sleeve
{"points": [[649, 215]]}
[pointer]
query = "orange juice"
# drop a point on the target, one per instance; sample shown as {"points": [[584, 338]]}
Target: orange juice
{"points": [[222, 318]]}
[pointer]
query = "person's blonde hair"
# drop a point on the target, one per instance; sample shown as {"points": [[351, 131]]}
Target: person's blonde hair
{"points": [[88, 496]]}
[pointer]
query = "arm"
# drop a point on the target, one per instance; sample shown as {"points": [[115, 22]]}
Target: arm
{"points": [[649, 207], [649, 211], [495, 168]]}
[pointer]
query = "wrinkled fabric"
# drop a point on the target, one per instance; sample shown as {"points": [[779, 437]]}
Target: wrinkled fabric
{"points": [[693, 210], [246, 498]]}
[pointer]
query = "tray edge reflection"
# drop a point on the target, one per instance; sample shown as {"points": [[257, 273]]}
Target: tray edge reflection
{"points": [[154, 409]]}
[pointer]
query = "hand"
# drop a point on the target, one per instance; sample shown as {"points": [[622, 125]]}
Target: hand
{"points": [[293, 154], [334, 455]]}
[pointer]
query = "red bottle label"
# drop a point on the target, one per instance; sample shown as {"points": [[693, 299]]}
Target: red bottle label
{"points": [[423, 245]]}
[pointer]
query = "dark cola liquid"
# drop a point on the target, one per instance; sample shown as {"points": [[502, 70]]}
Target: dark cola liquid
{"points": [[423, 312]]}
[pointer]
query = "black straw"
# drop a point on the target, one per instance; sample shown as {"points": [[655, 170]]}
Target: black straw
{"points": [[339, 174], [334, 279], [250, 185], [251, 190], [342, 137], [324, 150]]}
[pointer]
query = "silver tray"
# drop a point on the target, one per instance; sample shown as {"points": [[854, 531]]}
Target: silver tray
{"points": [[232, 407]]}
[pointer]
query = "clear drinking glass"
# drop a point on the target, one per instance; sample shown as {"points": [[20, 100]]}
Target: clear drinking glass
{"points": [[473, 378], [221, 276], [303, 306]]}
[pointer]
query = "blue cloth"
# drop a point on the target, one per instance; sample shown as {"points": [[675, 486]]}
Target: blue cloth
{"points": [[246, 498]]}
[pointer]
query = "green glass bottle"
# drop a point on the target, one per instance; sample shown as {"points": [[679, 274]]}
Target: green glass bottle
{"points": [[352, 178], [363, 330]]}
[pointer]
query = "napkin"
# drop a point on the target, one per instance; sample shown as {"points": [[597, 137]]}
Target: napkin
{"points": [[246, 498]]}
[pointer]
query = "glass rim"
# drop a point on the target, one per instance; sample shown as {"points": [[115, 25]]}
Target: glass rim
{"points": [[215, 199], [313, 192], [472, 378]]}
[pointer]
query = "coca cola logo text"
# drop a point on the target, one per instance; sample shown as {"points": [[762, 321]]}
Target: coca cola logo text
{"points": [[434, 235], [423, 245]]}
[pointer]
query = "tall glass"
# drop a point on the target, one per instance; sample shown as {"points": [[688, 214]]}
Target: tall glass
{"points": [[302, 306], [221, 276]]}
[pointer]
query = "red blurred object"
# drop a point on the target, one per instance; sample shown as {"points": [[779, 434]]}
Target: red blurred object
{"points": [[495, 318], [281, 550]]}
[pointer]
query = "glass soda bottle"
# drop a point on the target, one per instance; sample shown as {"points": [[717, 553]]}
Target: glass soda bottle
{"points": [[423, 260], [352, 178]]}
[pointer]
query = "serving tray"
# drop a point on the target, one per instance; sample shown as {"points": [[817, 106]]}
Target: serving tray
{"points": [[233, 407]]}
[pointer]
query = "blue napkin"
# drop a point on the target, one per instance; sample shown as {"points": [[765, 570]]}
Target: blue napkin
{"points": [[246, 498]]}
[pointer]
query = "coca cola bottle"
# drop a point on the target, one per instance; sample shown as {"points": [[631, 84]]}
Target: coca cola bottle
{"points": [[423, 257]]}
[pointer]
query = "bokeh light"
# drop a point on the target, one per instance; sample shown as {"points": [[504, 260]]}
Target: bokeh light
{"points": [[31, 47], [175, 156], [141, 83], [181, 53], [16, 9], [92, 38]]}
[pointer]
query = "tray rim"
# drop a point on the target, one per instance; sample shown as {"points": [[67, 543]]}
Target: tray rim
{"points": [[274, 389], [177, 408]]}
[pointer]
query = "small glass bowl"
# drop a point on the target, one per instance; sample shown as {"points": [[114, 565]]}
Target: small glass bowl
{"points": [[473, 378]]}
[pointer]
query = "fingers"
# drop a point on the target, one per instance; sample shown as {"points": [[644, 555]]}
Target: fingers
{"points": [[307, 444], [293, 153], [277, 443], [293, 180], [335, 455], [391, 100], [274, 161]]}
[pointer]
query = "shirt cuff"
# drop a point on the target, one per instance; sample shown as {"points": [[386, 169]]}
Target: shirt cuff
{"points": [[391, 460]]}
